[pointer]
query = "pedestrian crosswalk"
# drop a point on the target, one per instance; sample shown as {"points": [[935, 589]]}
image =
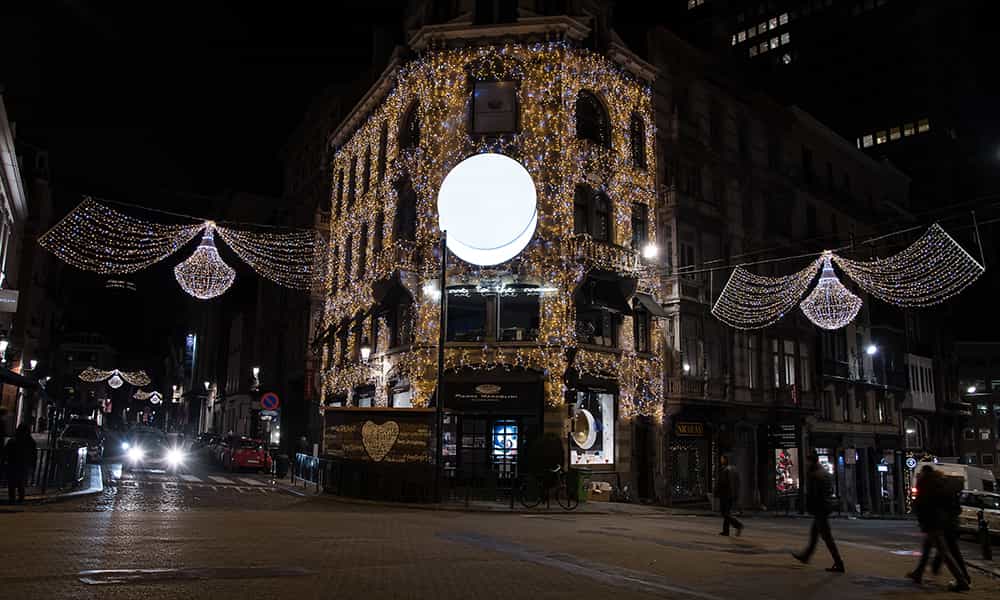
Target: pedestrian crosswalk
{"points": [[167, 481]]}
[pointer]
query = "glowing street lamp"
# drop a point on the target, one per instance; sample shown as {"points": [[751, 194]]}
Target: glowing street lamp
{"points": [[650, 251], [366, 350], [871, 350]]}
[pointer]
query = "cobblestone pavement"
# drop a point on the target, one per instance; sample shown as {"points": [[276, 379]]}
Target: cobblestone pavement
{"points": [[207, 539]]}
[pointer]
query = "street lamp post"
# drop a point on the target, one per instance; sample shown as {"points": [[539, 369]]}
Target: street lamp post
{"points": [[439, 401]]}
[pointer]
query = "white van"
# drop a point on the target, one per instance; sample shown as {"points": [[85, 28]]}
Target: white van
{"points": [[975, 478]]}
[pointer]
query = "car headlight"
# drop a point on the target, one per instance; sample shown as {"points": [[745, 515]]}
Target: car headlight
{"points": [[175, 456], [125, 445], [135, 453]]}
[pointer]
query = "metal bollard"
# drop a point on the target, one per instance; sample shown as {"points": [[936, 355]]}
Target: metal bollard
{"points": [[984, 537]]}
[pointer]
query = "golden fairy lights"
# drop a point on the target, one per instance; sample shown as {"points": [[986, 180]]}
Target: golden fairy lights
{"points": [[115, 377], [931, 270], [547, 78], [204, 275], [154, 397], [95, 237]]}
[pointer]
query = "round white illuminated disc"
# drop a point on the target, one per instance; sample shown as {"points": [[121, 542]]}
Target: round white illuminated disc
{"points": [[488, 206]]}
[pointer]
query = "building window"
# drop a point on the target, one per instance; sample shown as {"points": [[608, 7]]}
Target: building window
{"points": [[923, 126], [641, 322], [783, 19], [753, 361], [409, 133], [908, 129], [970, 459], [894, 133], [383, 143], [367, 173], [405, 222], [862, 401], [789, 359], [519, 314], [348, 257], [695, 3], [640, 226], [984, 433], [987, 460], [363, 251], [968, 433], [340, 194], [592, 435], [400, 322], [592, 213], [868, 140], [468, 313], [752, 32], [806, 367], [786, 38], [741, 36], [334, 274], [377, 235], [494, 107], [637, 138], [592, 121], [881, 137], [352, 182], [581, 209], [775, 42], [773, 23], [775, 364], [599, 313], [880, 410], [913, 433]]}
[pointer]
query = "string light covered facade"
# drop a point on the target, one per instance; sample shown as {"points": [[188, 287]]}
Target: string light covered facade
{"points": [[582, 126]]}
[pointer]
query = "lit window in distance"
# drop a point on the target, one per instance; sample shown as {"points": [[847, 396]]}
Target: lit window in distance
{"points": [[488, 206]]}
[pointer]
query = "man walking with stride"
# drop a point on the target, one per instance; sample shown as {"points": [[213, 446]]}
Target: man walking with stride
{"points": [[818, 504], [727, 485]]}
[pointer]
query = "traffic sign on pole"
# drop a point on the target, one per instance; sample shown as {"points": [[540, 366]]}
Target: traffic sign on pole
{"points": [[270, 401]]}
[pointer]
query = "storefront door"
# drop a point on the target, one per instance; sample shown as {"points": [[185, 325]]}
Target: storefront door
{"points": [[488, 449]]}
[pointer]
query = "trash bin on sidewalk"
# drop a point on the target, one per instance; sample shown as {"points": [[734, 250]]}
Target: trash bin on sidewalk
{"points": [[280, 465], [579, 482]]}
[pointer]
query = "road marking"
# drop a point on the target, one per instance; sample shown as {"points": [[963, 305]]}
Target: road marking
{"points": [[190, 478], [251, 481], [604, 573], [218, 479]]}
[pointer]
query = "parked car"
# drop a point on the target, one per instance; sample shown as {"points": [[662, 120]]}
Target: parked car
{"points": [[84, 435], [972, 502], [247, 453]]}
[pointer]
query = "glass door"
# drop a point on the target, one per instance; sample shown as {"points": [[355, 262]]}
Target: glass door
{"points": [[504, 452]]}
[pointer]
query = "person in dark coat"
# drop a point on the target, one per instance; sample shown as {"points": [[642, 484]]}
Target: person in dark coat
{"points": [[727, 486], [818, 493], [935, 510], [19, 460]]}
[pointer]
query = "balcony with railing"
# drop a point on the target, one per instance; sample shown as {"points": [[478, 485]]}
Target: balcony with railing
{"points": [[602, 255]]}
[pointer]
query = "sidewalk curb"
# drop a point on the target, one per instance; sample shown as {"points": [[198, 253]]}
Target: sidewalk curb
{"points": [[979, 566], [96, 474]]}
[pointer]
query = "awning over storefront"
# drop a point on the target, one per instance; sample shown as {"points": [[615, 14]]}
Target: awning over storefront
{"points": [[16, 379], [651, 305]]}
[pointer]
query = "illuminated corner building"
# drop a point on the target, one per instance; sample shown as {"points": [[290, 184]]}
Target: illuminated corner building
{"points": [[744, 179], [978, 391], [561, 340]]}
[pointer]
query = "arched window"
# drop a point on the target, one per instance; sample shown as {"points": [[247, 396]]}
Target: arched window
{"points": [[366, 175], [405, 223], [383, 143], [592, 121], [409, 132], [637, 139]]}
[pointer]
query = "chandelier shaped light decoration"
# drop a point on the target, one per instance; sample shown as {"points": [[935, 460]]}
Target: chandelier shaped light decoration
{"points": [[98, 238], [204, 275], [830, 305], [931, 270], [154, 397], [114, 377]]}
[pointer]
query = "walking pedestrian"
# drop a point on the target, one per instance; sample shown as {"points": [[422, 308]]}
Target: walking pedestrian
{"points": [[818, 493], [935, 514], [19, 460], [727, 486]]}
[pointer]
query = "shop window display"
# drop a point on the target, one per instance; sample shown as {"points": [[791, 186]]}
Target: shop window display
{"points": [[592, 437], [786, 470]]}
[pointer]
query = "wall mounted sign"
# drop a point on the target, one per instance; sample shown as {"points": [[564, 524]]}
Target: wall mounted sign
{"points": [[689, 429], [8, 300], [368, 436]]}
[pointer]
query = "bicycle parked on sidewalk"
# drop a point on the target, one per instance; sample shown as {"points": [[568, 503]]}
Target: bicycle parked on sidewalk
{"points": [[533, 490]]}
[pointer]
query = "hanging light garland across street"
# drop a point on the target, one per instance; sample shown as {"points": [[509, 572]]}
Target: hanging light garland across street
{"points": [[114, 377], [929, 271], [95, 237], [154, 397]]}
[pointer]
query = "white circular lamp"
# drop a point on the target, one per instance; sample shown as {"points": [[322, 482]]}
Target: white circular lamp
{"points": [[489, 207]]}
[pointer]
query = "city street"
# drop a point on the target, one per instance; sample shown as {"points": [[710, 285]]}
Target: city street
{"points": [[205, 534]]}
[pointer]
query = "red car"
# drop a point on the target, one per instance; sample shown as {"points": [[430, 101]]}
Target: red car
{"points": [[246, 453]]}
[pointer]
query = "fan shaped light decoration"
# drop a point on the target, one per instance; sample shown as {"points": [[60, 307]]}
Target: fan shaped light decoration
{"points": [[929, 271], [830, 305], [204, 275], [114, 377], [95, 237]]}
